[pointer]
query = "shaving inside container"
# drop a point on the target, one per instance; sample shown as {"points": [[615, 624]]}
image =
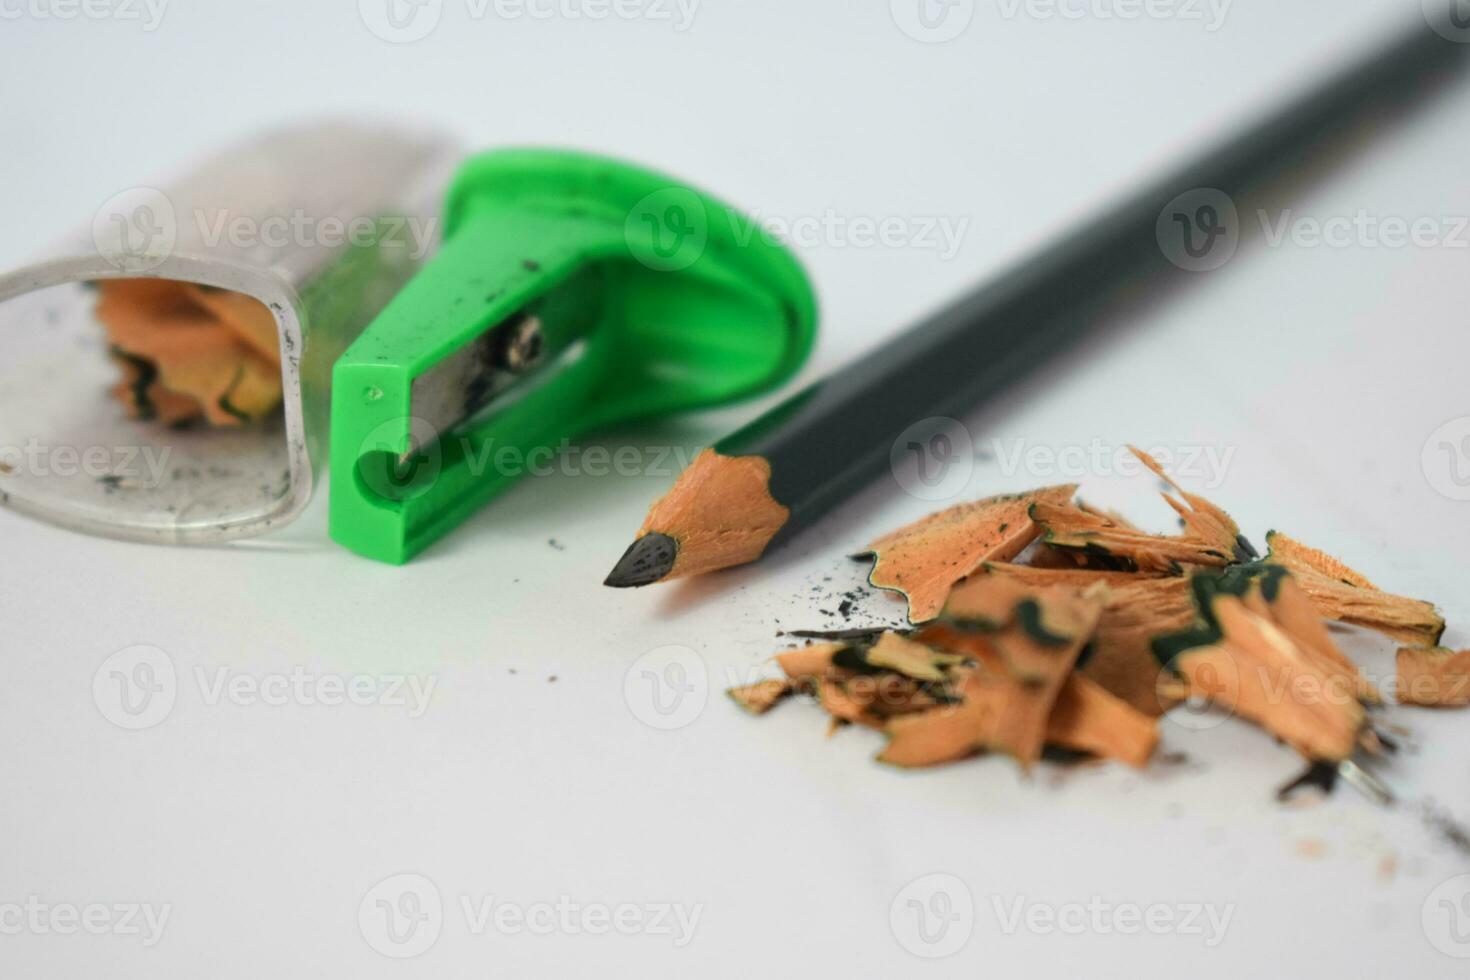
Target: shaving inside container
{"points": [[167, 371]]}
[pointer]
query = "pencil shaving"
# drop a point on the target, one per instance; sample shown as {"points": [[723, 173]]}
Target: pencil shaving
{"points": [[187, 353], [1082, 642], [1029, 653], [762, 696], [1104, 539], [1256, 656], [924, 560], [1433, 677], [1341, 594], [1088, 719], [809, 662], [1139, 607]]}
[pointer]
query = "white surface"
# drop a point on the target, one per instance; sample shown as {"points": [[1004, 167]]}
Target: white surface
{"points": [[264, 828]]}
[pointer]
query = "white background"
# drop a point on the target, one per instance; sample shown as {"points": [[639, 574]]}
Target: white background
{"points": [[1322, 371]]}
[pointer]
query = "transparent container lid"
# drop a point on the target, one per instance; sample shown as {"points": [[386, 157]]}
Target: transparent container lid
{"points": [[321, 225]]}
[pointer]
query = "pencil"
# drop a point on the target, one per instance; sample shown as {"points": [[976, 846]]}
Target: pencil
{"points": [[768, 481]]}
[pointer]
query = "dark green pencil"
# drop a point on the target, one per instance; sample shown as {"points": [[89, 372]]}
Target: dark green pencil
{"points": [[787, 469]]}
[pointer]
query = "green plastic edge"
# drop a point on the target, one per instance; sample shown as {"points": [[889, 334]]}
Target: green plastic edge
{"points": [[575, 213]]}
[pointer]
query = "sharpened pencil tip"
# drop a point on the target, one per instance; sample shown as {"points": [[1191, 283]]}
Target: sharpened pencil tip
{"points": [[646, 561]]}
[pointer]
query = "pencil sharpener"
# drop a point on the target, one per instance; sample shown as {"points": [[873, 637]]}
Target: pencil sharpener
{"points": [[168, 368], [571, 293]]}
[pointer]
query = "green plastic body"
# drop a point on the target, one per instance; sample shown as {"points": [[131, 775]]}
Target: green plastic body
{"points": [[652, 298]]}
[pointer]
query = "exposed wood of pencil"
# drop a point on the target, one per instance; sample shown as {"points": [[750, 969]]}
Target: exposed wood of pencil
{"points": [[719, 514], [836, 436]]}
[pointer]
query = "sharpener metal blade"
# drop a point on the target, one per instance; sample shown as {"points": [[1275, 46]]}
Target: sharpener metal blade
{"points": [[451, 392]]}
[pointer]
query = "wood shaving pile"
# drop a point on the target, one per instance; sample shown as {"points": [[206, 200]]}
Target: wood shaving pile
{"points": [[191, 352], [1043, 625]]}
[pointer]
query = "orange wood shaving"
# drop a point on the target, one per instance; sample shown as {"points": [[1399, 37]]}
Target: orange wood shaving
{"points": [[1340, 594], [924, 560], [1211, 538], [250, 319], [1089, 719], [1139, 608], [1293, 554], [203, 364], [1006, 700], [838, 702], [762, 696], [1202, 519], [1292, 610], [1433, 677], [1074, 529], [985, 719], [906, 657], [1276, 679], [807, 662]]}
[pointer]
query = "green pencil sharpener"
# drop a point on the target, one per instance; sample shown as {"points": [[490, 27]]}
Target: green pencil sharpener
{"points": [[571, 293]]}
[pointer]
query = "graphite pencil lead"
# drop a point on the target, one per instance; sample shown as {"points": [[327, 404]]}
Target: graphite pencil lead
{"points": [[647, 560]]}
